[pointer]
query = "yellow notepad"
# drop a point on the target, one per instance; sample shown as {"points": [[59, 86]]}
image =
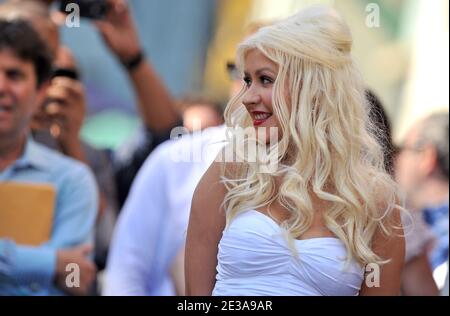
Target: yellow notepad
{"points": [[26, 212]]}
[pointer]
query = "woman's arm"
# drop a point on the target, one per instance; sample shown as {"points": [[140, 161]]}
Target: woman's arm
{"points": [[387, 247], [206, 223], [418, 279]]}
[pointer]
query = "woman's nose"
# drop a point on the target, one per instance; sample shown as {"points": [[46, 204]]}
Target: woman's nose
{"points": [[251, 97]]}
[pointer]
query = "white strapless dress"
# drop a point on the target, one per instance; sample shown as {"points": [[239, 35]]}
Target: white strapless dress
{"points": [[255, 260]]}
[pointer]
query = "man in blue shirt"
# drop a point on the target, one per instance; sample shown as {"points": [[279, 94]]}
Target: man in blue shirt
{"points": [[40, 270], [423, 173]]}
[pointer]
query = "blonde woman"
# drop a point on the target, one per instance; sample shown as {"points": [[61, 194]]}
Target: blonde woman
{"points": [[325, 220]]}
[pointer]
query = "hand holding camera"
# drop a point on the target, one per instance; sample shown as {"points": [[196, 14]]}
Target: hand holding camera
{"points": [[116, 26], [119, 32], [65, 107], [91, 9]]}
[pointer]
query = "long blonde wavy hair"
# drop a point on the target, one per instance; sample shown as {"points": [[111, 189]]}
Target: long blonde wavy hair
{"points": [[327, 145]]}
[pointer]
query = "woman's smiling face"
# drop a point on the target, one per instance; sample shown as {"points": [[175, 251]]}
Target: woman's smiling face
{"points": [[259, 75]]}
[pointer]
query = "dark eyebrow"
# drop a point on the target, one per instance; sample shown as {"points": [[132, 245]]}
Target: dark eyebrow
{"points": [[14, 69]]}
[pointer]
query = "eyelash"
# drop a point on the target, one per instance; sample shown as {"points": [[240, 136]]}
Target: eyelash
{"points": [[263, 79]]}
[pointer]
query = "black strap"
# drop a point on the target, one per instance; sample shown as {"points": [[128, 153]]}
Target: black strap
{"points": [[134, 62]]}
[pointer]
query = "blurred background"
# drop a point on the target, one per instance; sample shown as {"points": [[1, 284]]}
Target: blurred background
{"points": [[401, 46]]}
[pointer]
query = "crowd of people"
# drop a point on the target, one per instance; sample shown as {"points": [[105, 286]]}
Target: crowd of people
{"points": [[296, 189]]}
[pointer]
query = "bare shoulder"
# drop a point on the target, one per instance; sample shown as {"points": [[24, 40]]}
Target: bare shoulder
{"points": [[207, 203], [210, 188], [211, 185]]}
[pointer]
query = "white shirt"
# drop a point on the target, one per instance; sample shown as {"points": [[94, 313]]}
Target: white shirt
{"points": [[151, 228]]}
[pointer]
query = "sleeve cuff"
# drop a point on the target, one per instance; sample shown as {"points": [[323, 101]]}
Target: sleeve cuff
{"points": [[34, 266]]}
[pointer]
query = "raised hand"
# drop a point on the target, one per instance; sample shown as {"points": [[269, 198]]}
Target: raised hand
{"points": [[119, 32]]}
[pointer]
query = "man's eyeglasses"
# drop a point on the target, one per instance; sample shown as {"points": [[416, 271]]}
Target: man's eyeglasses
{"points": [[402, 148], [233, 72]]}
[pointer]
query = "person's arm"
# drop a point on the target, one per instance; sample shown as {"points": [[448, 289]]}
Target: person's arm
{"points": [[73, 227], [65, 109], [131, 265], [417, 278], [206, 224], [388, 247], [27, 265], [76, 208], [155, 103]]}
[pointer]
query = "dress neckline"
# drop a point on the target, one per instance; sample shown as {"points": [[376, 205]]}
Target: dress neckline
{"points": [[273, 222]]}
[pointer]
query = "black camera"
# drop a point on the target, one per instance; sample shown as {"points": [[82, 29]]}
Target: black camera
{"points": [[65, 72], [91, 9]]}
